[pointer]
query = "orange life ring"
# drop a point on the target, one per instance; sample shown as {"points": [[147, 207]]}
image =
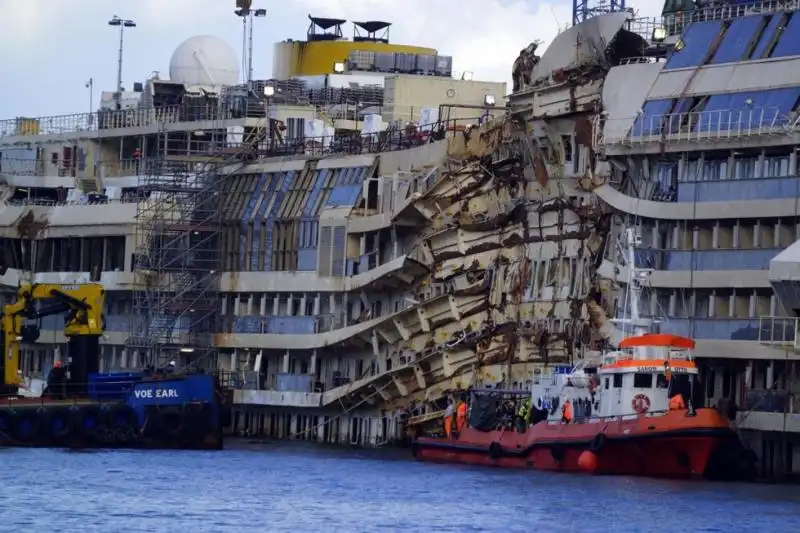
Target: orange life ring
{"points": [[640, 403]]}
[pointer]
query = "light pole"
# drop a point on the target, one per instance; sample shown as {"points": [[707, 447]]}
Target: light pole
{"points": [[122, 23], [90, 85], [247, 15]]}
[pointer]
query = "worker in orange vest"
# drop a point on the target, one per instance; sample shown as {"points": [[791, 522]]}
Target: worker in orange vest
{"points": [[676, 403], [448, 420], [566, 412], [461, 415]]}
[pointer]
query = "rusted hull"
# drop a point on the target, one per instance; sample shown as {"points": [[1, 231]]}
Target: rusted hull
{"points": [[709, 451]]}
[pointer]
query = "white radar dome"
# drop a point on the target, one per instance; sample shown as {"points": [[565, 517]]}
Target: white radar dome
{"points": [[204, 60]]}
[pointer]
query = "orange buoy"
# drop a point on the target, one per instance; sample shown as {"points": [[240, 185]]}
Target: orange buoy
{"points": [[587, 461]]}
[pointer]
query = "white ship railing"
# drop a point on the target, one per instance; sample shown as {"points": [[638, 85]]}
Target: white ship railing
{"points": [[703, 126], [779, 331]]}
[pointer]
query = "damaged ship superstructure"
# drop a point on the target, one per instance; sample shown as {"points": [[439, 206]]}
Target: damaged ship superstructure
{"points": [[497, 239], [358, 289]]}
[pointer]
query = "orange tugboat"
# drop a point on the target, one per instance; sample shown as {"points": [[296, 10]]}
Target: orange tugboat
{"points": [[630, 414]]}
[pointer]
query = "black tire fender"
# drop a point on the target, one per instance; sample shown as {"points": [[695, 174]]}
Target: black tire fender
{"points": [[495, 450], [7, 420], [56, 423], [172, 421], [87, 420], [597, 443], [26, 425], [121, 417]]}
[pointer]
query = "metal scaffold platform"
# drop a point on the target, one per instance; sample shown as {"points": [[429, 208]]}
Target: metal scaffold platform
{"points": [[177, 257]]}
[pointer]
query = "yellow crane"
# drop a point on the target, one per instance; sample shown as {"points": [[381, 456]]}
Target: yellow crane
{"points": [[83, 326]]}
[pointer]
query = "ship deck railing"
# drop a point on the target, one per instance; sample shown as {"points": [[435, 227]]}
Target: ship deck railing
{"points": [[675, 23], [698, 127], [779, 331]]}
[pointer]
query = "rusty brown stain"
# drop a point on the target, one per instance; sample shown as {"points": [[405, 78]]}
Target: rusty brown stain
{"points": [[30, 228]]}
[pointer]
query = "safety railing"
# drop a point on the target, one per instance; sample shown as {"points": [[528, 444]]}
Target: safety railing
{"points": [[87, 199], [241, 379], [703, 126], [112, 119], [675, 23], [770, 401], [643, 27], [778, 331], [70, 169]]}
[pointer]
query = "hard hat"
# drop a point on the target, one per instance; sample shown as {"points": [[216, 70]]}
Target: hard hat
{"points": [[172, 363]]}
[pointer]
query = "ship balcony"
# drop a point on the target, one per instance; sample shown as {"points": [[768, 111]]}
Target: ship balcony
{"points": [[283, 389], [779, 332], [770, 410], [703, 127]]}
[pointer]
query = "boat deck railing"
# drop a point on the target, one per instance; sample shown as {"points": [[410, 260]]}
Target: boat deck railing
{"points": [[698, 127]]}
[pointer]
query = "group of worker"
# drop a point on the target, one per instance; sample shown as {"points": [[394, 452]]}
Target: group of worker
{"points": [[455, 414]]}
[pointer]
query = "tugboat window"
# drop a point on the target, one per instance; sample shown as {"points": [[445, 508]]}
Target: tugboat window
{"points": [[617, 381], [661, 381], [642, 381], [606, 387]]}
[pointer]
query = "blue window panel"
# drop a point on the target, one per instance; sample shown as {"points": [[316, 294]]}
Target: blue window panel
{"points": [[258, 219], [319, 181], [344, 176], [697, 40], [789, 42], [737, 329], [307, 260], [294, 382], [649, 121], [715, 113], [779, 103], [292, 325], [739, 190], [734, 44], [757, 259], [280, 192], [356, 176], [766, 36], [343, 196], [248, 324], [243, 223]]}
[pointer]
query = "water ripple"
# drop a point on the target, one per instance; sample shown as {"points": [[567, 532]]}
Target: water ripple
{"points": [[297, 489]]}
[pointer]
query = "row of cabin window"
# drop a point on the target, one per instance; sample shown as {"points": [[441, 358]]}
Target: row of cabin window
{"points": [[640, 381], [668, 172]]}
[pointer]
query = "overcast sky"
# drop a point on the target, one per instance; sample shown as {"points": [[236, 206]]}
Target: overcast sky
{"points": [[50, 48]]}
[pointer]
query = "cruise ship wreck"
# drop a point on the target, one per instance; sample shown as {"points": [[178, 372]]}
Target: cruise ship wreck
{"points": [[341, 282]]}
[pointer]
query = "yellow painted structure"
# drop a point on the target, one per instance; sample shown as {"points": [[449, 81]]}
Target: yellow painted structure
{"points": [[315, 58]]}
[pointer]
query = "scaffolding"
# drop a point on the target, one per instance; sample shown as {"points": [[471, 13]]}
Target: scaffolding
{"points": [[177, 256]]}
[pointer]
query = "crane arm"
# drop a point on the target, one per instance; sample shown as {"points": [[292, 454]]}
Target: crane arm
{"points": [[84, 302]]}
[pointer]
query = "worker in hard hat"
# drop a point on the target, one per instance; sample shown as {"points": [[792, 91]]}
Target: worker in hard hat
{"points": [[56, 380], [170, 368]]}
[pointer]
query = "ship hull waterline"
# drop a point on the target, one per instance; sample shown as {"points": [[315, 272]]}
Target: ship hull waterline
{"points": [[641, 446]]}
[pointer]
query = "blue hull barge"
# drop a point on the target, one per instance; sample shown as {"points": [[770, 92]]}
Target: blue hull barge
{"points": [[81, 407], [121, 410]]}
